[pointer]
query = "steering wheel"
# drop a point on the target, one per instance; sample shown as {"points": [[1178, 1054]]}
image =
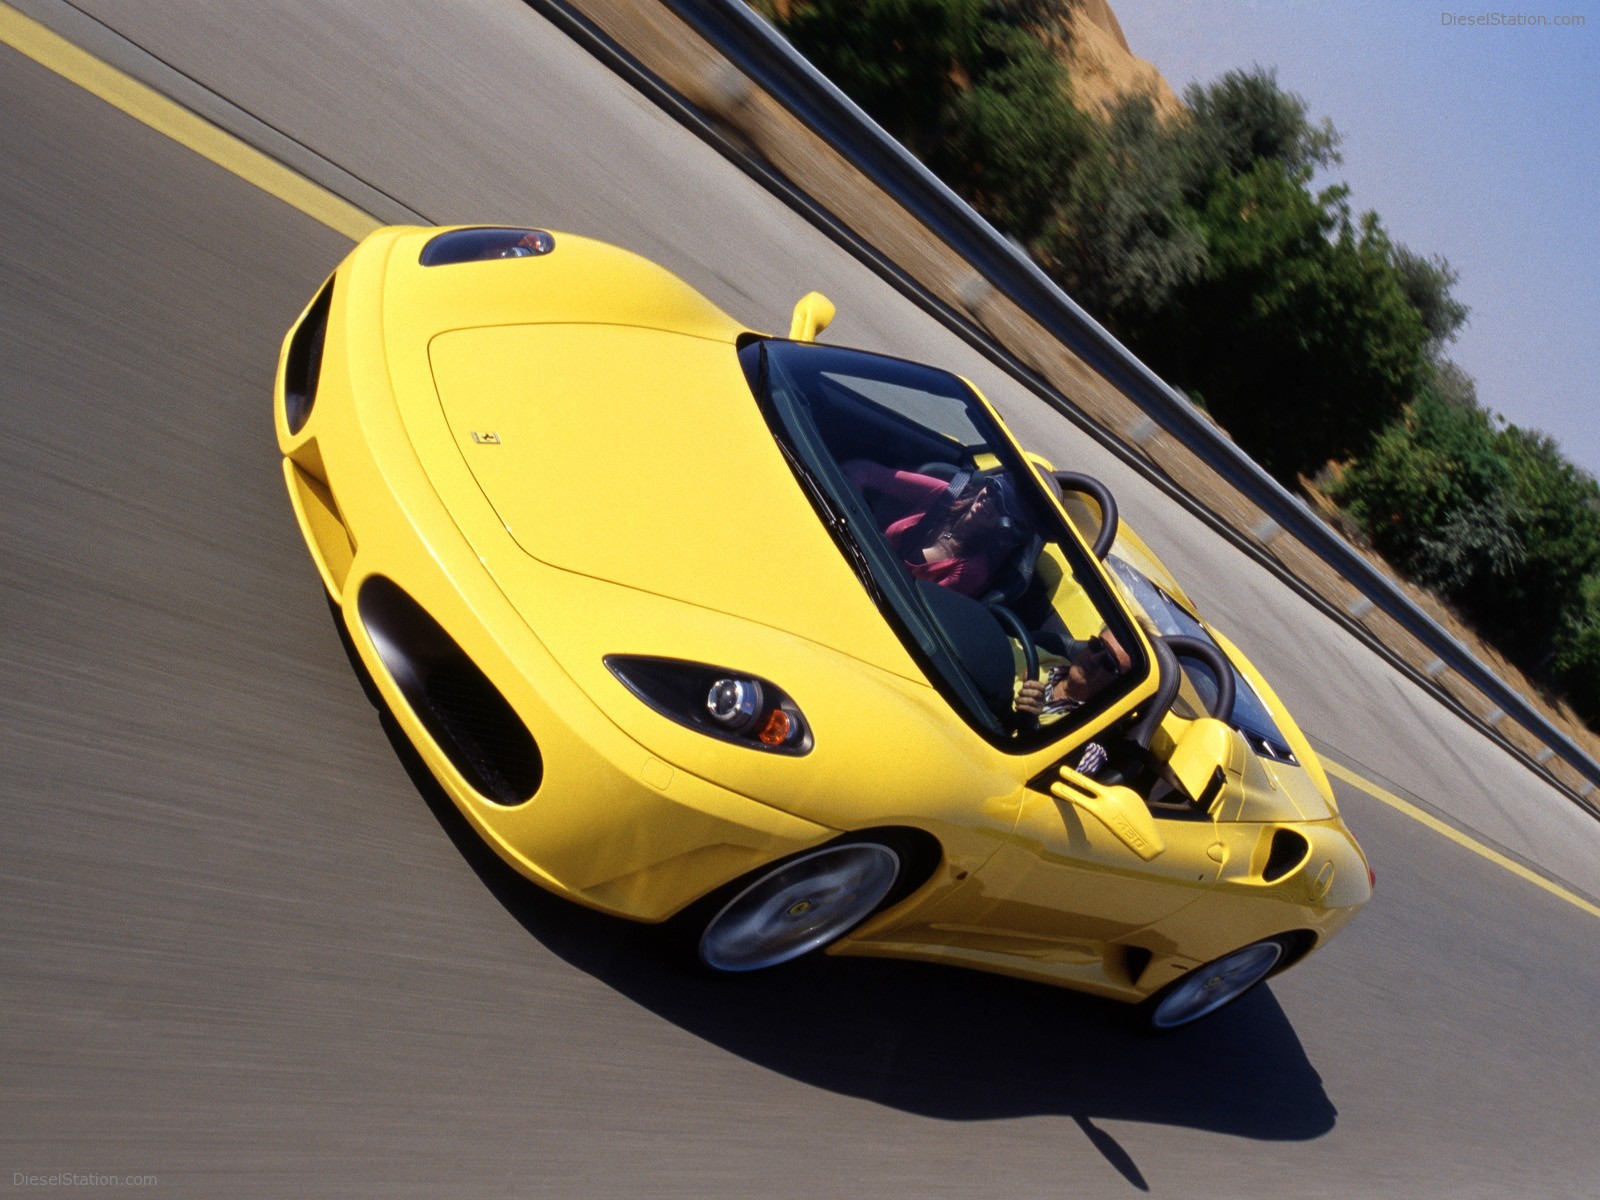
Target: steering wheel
{"points": [[1030, 654], [1014, 626]]}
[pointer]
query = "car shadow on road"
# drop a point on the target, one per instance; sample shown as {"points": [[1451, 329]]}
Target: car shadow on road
{"points": [[936, 1041]]}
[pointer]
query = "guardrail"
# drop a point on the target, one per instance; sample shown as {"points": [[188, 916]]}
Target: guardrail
{"points": [[757, 50]]}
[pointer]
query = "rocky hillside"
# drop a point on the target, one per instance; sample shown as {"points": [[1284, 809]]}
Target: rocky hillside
{"points": [[1103, 67]]}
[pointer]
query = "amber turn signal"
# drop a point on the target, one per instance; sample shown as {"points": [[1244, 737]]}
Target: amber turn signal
{"points": [[777, 728]]}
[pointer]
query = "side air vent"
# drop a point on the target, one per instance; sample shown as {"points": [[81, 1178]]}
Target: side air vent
{"points": [[1134, 961], [1289, 850], [1267, 748], [304, 366], [481, 245], [462, 711]]}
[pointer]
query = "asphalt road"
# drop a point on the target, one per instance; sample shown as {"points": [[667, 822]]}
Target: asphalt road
{"points": [[248, 951]]}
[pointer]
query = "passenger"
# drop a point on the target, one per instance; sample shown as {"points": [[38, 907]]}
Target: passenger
{"points": [[1074, 679], [956, 543]]}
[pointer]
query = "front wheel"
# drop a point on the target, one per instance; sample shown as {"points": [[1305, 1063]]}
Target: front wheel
{"points": [[1205, 989], [799, 906]]}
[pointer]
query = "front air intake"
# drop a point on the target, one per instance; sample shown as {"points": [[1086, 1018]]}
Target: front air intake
{"points": [[463, 712], [304, 363]]}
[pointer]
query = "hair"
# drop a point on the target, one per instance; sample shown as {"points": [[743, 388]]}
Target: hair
{"points": [[995, 542], [961, 503]]}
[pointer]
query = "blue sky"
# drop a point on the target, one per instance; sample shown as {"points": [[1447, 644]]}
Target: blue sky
{"points": [[1478, 143]]}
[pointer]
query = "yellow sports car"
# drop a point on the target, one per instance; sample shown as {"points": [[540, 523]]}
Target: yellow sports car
{"points": [[791, 642]]}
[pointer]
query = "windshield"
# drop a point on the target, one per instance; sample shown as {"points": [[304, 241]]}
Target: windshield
{"points": [[953, 534]]}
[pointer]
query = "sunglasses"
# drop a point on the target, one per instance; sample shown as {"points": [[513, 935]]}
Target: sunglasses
{"points": [[1098, 654]]}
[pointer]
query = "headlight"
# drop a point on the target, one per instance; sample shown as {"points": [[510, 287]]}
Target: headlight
{"points": [[730, 705]]}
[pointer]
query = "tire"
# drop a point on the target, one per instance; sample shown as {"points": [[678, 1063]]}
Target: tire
{"points": [[800, 905], [1206, 989]]}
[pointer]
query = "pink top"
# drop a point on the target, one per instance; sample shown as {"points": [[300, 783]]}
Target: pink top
{"points": [[917, 494]]}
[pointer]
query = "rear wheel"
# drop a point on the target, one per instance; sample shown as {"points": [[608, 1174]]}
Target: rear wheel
{"points": [[799, 906], [1206, 989]]}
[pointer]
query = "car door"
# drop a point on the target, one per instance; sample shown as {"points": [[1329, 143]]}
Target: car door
{"points": [[1064, 885]]}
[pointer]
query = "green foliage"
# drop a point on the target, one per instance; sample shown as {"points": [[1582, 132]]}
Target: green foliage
{"points": [[1478, 545], [1424, 482], [1199, 242], [1014, 135], [1202, 244], [1427, 283], [1499, 522], [1298, 333], [1576, 661], [968, 86], [1562, 533], [1121, 240], [903, 61], [1245, 118]]}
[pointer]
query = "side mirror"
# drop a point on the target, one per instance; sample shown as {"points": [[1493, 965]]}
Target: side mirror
{"points": [[1207, 749], [1119, 809], [811, 317]]}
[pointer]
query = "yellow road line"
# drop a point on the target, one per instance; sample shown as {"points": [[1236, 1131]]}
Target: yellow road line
{"points": [[1346, 775], [148, 106]]}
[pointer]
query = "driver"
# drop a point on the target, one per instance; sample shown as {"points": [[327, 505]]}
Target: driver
{"points": [[1073, 679]]}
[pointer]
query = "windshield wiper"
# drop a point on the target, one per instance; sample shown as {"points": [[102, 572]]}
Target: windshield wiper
{"points": [[838, 524], [836, 521]]}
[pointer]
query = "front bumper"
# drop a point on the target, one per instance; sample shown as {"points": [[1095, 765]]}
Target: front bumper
{"points": [[611, 825]]}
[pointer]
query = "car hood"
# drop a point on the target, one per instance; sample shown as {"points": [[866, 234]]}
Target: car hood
{"points": [[639, 456], [1265, 790]]}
